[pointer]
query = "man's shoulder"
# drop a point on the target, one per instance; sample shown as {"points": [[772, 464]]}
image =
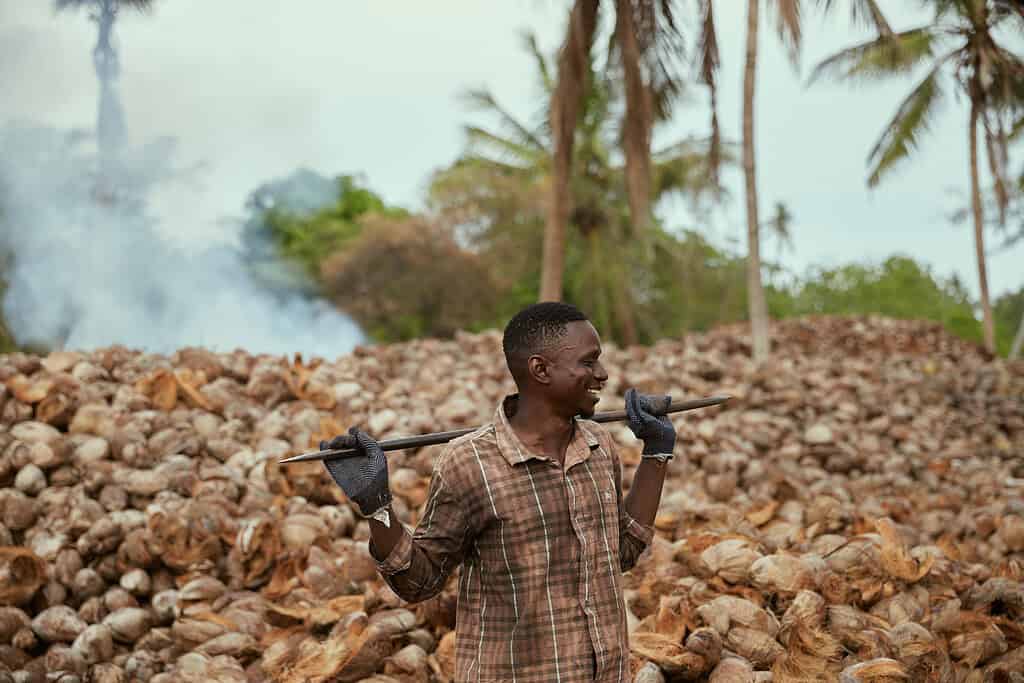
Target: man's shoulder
{"points": [[483, 434], [459, 450]]}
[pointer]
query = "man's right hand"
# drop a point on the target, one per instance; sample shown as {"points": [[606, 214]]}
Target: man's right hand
{"points": [[363, 478]]}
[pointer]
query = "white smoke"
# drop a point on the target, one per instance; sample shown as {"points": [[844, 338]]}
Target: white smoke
{"points": [[87, 267]]}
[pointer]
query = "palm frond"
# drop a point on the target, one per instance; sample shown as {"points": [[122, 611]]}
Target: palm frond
{"points": [[779, 225], [638, 118], [962, 8], [996, 151], [709, 65], [1016, 130], [707, 45], [788, 26], [1004, 75], [663, 48], [541, 61], [863, 12], [139, 5], [880, 57], [685, 168], [482, 99], [488, 144], [912, 118], [480, 162]]}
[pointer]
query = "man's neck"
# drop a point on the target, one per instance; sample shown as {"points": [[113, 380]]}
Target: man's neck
{"points": [[540, 428]]}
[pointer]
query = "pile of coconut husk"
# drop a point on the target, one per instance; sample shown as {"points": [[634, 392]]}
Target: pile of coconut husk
{"points": [[854, 514]]}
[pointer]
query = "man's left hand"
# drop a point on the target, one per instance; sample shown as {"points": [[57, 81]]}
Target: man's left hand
{"points": [[656, 431]]}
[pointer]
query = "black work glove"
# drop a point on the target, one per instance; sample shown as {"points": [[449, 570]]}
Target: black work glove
{"points": [[657, 432], [363, 478]]}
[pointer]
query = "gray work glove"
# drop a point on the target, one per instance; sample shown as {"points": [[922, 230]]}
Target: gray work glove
{"points": [[364, 479], [657, 432]]}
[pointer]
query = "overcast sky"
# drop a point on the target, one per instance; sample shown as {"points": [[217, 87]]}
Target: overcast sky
{"points": [[257, 88]]}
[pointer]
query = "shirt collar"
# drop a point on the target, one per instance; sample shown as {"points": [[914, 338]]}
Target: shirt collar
{"points": [[512, 447]]}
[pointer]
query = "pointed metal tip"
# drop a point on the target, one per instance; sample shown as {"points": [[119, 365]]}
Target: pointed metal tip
{"points": [[303, 457]]}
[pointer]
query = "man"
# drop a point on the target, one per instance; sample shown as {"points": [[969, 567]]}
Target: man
{"points": [[531, 506]]}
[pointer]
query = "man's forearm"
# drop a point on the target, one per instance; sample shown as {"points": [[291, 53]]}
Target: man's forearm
{"points": [[645, 493]]}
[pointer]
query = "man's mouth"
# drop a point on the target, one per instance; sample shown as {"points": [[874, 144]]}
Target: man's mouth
{"points": [[595, 393]]}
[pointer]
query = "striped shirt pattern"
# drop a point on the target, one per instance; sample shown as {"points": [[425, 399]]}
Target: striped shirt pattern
{"points": [[542, 549]]}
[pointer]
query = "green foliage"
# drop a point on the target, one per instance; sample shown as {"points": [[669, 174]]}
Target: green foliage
{"points": [[307, 240], [899, 287], [300, 221], [1008, 310]]}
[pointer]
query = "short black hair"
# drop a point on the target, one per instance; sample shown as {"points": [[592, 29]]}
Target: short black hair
{"points": [[534, 329]]}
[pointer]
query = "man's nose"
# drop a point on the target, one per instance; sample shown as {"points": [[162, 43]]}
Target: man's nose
{"points": [[600, 373]]}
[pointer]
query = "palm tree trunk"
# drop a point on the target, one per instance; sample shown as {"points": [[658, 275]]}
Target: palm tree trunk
{"points": [[1018, 340], [988, 325], [573, 68], [638, 119], [110, 131], [755, 291], [624, 312]]}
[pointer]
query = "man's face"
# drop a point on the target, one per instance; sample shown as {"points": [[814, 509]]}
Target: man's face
{"points": [[576, 375]]}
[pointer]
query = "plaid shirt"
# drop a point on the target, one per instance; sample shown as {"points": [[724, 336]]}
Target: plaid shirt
{"points": [[543, 549]]}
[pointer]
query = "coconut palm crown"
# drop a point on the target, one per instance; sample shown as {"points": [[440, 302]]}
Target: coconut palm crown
{"points": [[962, 48]]}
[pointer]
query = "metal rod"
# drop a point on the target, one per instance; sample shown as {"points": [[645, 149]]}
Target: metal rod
{"points": [[444, 437]]}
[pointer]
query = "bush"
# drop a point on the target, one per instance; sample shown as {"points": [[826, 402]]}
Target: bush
{"points": [[403, 278]]}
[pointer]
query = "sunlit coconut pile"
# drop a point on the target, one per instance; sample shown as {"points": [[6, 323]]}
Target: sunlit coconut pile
{"points": [[854, 514]]}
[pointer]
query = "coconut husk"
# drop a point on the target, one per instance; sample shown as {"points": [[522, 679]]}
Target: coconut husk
{"points": [[187, 539], [670, 655], [352, 651], [879, 670], [730, 559], [726, 611], [22, 573], [895, 558], [254, 552], [979, 645], [315, 616], [442, 660], [732, 670], [757, 646]]}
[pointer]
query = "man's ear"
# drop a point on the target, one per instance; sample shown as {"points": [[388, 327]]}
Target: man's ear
{"points": [[537, 366]]}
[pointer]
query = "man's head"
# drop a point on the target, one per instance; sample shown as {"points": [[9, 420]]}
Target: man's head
{"points": [[552, 351]]}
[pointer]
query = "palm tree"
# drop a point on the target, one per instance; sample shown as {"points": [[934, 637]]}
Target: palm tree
{"points": [[110, 116], [788, 27], [646, 44], [495, 193], [960, 48], [789, 31]]}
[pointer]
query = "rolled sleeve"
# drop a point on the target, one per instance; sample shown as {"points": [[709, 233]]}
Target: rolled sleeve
{"points": [[420, 563], [637, 531], [400, 557]]}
